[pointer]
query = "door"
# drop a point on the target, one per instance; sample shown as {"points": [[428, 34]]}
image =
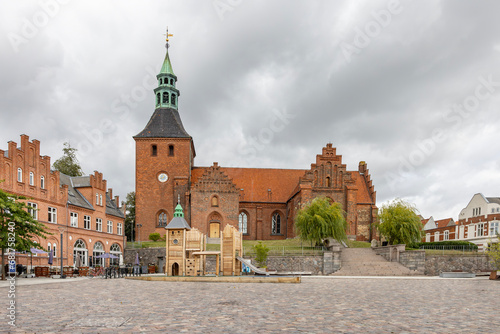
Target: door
{"points": [[214, 230], [175, 269]]}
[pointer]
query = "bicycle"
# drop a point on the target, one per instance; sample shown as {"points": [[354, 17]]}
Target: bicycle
{"points": [[95, 272]]}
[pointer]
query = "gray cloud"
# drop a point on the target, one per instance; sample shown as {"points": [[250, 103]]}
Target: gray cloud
{"points": [[84, 69]]}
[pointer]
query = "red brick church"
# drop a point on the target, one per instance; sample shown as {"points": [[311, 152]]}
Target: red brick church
{"points": [[261, 202]]}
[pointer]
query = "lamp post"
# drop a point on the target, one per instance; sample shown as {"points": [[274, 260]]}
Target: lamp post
{"points": [[139, 232], [61, 230]]}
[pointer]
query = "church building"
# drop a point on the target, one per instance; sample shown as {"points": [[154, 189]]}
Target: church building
{"points": [[260, 202]]}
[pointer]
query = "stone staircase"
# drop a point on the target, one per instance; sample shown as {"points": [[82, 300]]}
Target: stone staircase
{"points": [[364, 262]]}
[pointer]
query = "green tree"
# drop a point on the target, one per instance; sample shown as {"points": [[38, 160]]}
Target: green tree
{"points": [[399, 223], [321, 219], [17, 226], [493, 253], [68, 164], [261, 251], [130, 216]]}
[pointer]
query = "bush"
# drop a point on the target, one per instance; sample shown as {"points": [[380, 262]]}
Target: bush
{"points": [[261, 251], [458, 243], [154, 236]]}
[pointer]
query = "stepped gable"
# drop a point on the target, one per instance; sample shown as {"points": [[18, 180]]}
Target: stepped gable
{"points": [[368, 184], [213, 179], [259, 184], [164, 123]]}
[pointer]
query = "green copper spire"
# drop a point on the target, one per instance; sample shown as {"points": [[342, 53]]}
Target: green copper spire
{"points": [[167, 66], [167, 96]]}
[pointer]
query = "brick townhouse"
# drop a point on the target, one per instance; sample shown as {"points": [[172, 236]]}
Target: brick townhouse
{"points": [[261, 202], [81, 207]]}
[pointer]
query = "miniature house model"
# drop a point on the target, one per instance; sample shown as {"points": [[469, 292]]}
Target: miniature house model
{"points": [[186, 249]]}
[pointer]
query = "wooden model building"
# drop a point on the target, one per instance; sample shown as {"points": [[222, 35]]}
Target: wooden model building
{"points": [[186, 249]]}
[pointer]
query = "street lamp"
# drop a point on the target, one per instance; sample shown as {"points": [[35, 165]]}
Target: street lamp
{"points": [[61, 230], [139, 232]]}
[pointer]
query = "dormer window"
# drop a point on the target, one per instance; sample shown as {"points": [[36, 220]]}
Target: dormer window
{"points": [[154, 150]]}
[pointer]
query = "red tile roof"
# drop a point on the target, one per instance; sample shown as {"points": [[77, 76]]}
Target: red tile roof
{"points": [[443, 222]]}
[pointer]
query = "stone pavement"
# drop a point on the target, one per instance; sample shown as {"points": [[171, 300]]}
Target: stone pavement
{"points": [[364, 262], [317, 305]]}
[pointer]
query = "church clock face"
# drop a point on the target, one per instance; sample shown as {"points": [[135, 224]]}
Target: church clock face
{"points": [[163, 177]]}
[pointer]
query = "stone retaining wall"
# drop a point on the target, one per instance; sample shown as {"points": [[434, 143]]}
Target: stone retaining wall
{"points": [[436, 264], [317, 265], [413, 260]]}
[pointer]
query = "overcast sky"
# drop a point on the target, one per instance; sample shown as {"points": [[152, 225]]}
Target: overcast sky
{"points": [[410, 87]]}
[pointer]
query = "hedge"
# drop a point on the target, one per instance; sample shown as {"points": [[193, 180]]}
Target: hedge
{"points": [[470, 245]]}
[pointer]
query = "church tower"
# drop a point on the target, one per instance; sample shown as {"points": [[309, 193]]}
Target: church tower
{"points": [[163, 159]]}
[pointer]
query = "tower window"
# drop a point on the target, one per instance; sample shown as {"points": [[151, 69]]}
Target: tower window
{"points": [[154, 150], [165, 98], [172, 82], [171, 150], [158, 99], [161, 81], [172, 99]]}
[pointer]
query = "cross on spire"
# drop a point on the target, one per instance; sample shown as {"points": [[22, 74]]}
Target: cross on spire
{"points": [[167, 35]]}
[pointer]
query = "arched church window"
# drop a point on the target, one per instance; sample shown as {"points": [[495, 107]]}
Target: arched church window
{"points": [[328, 182], [172, 99], [158, 99], [154, 150], [243, 223], [165, 97], [215, 201], [162, 219], [171, 150], [276, 223]]}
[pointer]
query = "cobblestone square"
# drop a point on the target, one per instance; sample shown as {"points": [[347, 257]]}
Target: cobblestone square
{"points": [[317, 305]]}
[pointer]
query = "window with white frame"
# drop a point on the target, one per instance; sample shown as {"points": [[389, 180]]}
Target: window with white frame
{"points": [[436, 236], [73, 217], [54, 249], [243, 223], [446, 235], [19, 175], [110, 226], [33, 210], [276, 223], [49, 247], [86, 222], [42, 182], [494, 228], [96, 199], [32, 179], [119, 230], [427, 237], [100, 200], [52, 217], [480, 229], [98, 224]]}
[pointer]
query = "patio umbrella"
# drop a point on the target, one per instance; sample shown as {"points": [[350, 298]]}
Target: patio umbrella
{"points": [[36, 251], [106, 256], [51, 257], [77, 261]]}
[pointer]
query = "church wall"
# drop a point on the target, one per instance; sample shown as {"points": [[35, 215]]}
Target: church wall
{"points": [[260, 220], [202, 210]]}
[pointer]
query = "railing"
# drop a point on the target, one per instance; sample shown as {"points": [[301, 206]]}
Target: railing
{"points": [[450, 249], [287, 251]]}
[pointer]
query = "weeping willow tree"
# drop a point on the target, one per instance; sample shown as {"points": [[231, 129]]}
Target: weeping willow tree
{"points": [[321, 219], [399, 223]]}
